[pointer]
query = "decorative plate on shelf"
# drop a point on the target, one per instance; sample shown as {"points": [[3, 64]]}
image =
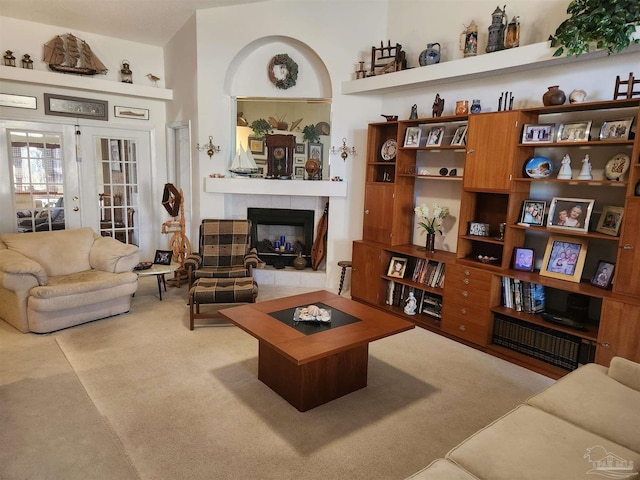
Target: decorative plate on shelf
{"points": [[388, 150], [538, 167], [617, 166]]}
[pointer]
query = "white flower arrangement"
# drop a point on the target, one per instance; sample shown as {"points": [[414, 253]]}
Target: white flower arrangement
{"points": [[431, 223]]}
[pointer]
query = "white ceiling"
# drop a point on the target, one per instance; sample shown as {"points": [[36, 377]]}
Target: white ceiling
{"points": [[152, 22]]}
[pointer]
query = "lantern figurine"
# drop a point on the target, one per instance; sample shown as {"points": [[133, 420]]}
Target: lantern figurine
{"points": [[125, 73], [27, 62], [9, 59]]}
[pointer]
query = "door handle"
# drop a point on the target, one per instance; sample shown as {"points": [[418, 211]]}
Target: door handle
{"points": [[76, 208]]}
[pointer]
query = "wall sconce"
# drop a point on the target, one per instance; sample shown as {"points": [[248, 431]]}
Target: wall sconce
{"points": [[209, 147], [344, 151], [9, 59]]}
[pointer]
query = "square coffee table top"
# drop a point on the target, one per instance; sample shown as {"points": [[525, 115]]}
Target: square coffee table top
{"points": [[255, 319]]}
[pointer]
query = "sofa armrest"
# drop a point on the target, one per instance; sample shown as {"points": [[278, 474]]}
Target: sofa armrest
{"points": [[12, 262], [626, 372], [111, 255]]}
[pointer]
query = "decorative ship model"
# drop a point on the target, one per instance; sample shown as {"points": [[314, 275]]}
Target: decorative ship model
{"points": [[243, 164], [70, 54]]}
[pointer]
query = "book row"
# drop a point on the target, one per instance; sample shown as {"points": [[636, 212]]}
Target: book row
{"points": [[523, 296]]}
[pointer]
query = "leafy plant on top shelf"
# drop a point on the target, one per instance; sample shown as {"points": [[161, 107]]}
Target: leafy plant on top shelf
{"points": [[311, 134], [608, 24], [260, 127]]}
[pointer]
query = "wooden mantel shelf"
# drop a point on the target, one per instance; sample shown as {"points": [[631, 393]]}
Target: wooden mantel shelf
{"points": [[518, 59], [77, 82], [260, 186]]}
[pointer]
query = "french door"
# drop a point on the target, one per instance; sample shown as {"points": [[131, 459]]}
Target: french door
{"points": [[64, 176]]}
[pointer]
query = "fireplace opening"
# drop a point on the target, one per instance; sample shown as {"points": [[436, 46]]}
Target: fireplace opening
{"points": [[278, 234]]}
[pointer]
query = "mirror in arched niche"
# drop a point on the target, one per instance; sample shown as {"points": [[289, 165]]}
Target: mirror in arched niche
{"points": [[288, 111]]}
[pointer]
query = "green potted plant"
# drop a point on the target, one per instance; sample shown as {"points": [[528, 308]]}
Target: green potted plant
{"points": [[311, 134], [260, 127], [608, 24]]}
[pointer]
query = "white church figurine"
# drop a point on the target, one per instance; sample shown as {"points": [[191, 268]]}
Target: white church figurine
{"points": [[585, 173], [565, 172]]}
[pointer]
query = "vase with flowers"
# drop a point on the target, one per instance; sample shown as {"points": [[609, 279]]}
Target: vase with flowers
{"points": [[431, 222]]}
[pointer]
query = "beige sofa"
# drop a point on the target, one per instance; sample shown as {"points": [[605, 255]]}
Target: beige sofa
{"points": [[53, 280], [585, 426]]}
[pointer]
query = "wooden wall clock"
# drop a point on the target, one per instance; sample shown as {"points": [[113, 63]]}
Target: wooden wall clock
{"points": [[280, 150]]}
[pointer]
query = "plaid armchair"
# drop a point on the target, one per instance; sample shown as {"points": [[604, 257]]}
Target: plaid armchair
{"points": [[223, 251]]}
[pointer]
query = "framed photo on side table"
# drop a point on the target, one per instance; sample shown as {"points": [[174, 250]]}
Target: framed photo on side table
{"points": [[540, 133], [163, 257], [564, 258], [570, 214], [523, 259], [610, 220], [603, 275], [412, 137], [397, 266], [574, 132]]}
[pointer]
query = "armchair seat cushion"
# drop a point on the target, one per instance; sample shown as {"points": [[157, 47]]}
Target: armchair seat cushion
{"points": [[224, 290], [221, 272]]}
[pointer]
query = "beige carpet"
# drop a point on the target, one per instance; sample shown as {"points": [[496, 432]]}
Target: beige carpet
{"points": [[139, 395]]}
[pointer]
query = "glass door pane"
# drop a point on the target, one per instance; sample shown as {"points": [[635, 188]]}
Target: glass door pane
{"points": [[37, 179], [117, 182]]}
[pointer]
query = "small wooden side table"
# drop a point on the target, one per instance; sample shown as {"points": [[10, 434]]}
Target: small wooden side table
{"points": [[159, 271]]}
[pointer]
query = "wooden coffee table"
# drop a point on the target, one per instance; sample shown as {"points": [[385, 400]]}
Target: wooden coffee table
{"points": [[310, 369]]}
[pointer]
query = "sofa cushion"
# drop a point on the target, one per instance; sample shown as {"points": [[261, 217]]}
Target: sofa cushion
{"points": [[528, 443], [16, 263], [112, 255], [60, 252], [595, 401], [626, 372], [442, 469]]}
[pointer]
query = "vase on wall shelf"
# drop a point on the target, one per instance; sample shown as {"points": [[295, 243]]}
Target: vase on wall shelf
{"points": [[430, 245], [553, 96]]}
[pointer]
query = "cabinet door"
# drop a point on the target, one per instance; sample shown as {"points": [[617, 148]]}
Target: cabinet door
{"points": [[365, 273], [492, 139], [378, 213], [619, 332], [627, 275]]}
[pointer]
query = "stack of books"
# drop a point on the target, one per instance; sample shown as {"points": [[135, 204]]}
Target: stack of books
{"points": [[429, 272], [522, 296]]}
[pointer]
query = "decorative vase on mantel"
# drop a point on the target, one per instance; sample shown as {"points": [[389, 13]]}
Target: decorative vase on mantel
{"points": [[430, 245], [553, 96], [299, 263]]}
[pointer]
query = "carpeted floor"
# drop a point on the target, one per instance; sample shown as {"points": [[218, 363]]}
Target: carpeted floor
{"points": [[141, 396]]}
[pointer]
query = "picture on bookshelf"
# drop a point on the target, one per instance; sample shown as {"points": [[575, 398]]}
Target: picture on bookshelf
{"points": [[616, 130], [574, 132], [412, 137], [610, 220], [524, 259], [604, 274], [533, 212], [460, 137], [543, 132], [397, 266], [436, 134], [570, 213], [564, 258]]}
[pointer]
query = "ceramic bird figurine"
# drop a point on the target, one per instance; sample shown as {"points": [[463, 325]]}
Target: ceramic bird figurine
{"points": [[153, 78]]}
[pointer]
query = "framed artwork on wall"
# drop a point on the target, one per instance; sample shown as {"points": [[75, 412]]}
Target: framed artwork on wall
{"points": [[76, 107]]}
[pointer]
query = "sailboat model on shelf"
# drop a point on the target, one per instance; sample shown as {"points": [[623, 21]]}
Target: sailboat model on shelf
{"points": [[243, 164], [70, 54]]}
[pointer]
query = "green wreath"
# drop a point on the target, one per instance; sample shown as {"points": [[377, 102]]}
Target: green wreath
{"points": [[292, 71]]}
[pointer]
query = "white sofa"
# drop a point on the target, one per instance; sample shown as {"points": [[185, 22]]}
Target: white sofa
{"points": [[54, 280], [585, 426]]}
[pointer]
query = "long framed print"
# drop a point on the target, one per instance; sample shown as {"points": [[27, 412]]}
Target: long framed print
{"points": [[130, 112], [76, 107], [18, 101], [564, 258], [570, 214]]}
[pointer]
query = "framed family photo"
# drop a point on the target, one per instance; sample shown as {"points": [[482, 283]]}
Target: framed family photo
{"points": [[603, 274], [412, 137], [524, 259], [533, 212], [564, 258], [610, 220], [460, 137], [163, 257], [574, 132], [436, 134], [397, 266], [616, 129], [540, 133], [570, 214]]}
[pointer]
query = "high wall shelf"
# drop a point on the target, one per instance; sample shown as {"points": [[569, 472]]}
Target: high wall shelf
{"points": [[473, 296]]}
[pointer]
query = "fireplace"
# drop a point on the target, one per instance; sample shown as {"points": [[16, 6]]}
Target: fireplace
{"points": [[269, 225]]}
